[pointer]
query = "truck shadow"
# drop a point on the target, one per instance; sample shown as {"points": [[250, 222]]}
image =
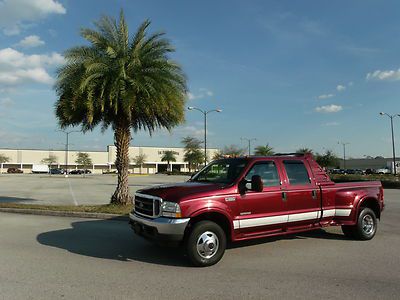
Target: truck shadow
{"points": [[110, 239], [6, 199], [314, 234]]}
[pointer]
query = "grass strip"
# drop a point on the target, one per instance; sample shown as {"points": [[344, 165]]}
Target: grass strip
{"points": [[104, 209]]}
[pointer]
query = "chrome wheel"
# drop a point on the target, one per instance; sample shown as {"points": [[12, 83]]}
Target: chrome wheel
{"points": [[207, 244], [368, 225]]}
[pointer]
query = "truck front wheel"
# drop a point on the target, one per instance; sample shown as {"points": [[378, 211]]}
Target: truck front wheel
{"points": [[365, 228], [205, 243]]}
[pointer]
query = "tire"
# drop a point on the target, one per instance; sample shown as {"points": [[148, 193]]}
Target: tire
{"points": [[205, 244], [366, 226]]}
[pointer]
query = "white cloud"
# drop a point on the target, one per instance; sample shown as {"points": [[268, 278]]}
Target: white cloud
{"points": [[6, 102], [326, 96], [332, 124], [202, 93], [15, 13], [332, 108], [389, 75], [17, 67], [340, 88], [31, 41]]}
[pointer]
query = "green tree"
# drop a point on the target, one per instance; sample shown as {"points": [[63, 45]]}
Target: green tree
{"points": [[327, 159], [218, 155], [193, 154], [304, 150], [264, 150], [139, 160], [51, 160], [168, 156], [233, 151], [128, 83], [4, 158], [83, 159]]}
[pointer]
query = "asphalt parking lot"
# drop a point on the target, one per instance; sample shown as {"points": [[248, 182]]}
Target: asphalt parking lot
{"points": [[69, 258], [74, 190]]}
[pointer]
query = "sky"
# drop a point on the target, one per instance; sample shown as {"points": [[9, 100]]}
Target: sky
{"points": [[288, 73]]}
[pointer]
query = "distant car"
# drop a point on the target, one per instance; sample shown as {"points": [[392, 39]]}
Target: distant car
{"points": [[14, 171], [56, 171], [370, 171], [383, 171], [79, 172]]}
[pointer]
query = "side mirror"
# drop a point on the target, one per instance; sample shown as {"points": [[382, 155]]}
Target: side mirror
{"points": [[257, 183]]}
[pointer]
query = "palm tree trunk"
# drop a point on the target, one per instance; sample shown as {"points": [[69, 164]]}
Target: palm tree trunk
{"points": [[122, 138]]}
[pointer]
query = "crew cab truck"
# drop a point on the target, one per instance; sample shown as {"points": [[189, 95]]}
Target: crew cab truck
{"points": [[245, 198]]}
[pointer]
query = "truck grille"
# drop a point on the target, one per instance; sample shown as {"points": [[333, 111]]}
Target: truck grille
{"points": [[147, 205]]}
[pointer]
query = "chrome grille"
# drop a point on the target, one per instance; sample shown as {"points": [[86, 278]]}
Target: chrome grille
{"points": [[147, 205]]}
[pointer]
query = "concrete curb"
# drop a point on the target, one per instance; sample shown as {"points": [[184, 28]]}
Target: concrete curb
{"points": [[56, 213]]}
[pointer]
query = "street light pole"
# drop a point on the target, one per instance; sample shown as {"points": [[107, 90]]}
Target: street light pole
{"points": [[393, 147], [344, 153], [249, 141], [67, 133], [205, 113]]}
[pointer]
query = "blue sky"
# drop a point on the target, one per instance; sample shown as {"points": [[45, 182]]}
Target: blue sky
{"points": [[289, 73]]}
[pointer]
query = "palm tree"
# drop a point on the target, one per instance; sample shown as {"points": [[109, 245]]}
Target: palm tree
{"points": [[123, 82], [168, 156], [140, 160], [233, 151], [304, 150], [264, 150]]}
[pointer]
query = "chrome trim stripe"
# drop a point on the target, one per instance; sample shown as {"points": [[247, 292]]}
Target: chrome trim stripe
{"points": [[342, 212], [264, 221], [303, 216]]}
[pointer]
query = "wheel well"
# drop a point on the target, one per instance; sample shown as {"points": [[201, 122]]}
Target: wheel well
{"points": [[218, 218], [372, 204]]}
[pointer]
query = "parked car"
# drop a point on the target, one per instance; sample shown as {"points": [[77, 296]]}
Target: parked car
{"points": [[383, 171], [80, 172], [370, 171], [244, 198], [14, 171], [56, 171]]}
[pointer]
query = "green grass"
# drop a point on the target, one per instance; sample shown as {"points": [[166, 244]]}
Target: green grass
{"points": [[105, 209]]}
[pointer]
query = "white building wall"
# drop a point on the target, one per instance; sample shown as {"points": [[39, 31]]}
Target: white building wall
{"points": [[102, 160]]}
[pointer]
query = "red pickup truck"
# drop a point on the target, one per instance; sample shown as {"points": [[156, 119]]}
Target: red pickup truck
{"points": [[244, 198]]}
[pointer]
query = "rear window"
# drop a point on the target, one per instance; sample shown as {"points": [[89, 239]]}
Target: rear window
{"points": [[296, 172]]}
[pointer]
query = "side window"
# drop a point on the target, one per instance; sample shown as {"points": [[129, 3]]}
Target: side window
{"points": [[267, 171], [296, 172]]}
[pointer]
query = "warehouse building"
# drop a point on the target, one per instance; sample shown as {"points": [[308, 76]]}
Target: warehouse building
{"points": [[103, 161]]}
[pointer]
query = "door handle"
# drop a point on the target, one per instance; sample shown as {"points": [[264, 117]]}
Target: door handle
{"points": [[284, 196], [314, 194]]}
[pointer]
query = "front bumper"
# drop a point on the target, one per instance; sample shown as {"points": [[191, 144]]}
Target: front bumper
{"points": [[160, 229]]}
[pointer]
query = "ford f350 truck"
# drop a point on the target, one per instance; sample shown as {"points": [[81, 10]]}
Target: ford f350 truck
{"points": [[245, 198]]}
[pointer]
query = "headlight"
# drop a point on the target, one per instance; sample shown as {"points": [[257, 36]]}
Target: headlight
{"points": [[171, 209]]}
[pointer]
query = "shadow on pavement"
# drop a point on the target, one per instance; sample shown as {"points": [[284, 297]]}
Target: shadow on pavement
{"points": [[314, 234], [110, 239], [6, 199]]}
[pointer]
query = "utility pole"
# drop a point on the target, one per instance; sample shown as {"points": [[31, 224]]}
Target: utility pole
{"points": [[344, 153], [67, 133], [393, 147], [249, 142], [205, 113]]}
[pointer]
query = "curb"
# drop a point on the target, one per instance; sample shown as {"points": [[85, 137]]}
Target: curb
{"points": [[56, 213]]}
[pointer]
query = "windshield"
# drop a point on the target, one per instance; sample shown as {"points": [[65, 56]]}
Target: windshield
{"points": [[221, 171]]}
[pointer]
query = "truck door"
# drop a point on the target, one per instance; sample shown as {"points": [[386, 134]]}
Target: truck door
{"points": [[301, 195], [263, 212]]}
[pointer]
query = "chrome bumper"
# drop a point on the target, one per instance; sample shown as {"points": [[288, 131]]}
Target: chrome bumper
{"points": [[164, 226]]}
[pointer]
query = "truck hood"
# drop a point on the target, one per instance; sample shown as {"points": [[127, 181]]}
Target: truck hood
{"points": [[177, 192]]}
